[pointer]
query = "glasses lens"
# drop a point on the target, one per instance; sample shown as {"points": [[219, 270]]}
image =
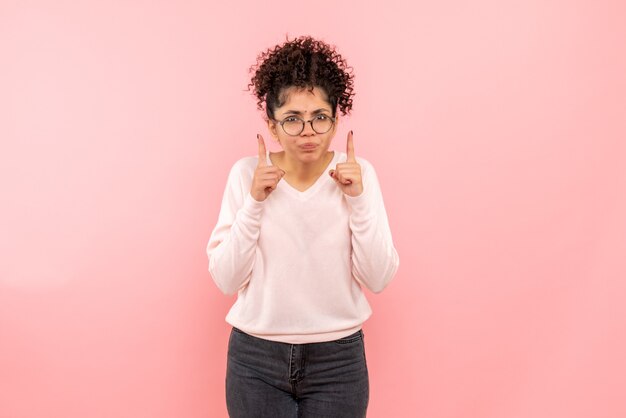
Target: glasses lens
{"points": [[293, 126], [322, 124]]}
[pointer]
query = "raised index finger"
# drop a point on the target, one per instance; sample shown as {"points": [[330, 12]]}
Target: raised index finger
{"points": [[262, 152], [350, 148]]}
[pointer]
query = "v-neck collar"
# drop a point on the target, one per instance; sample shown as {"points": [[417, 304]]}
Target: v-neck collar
{"points": [[312, 188]]}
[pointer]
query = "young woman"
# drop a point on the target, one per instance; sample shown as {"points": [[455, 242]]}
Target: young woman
{"points": [[299, 233]]}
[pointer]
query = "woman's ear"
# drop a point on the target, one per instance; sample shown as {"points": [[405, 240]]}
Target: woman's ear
{"points": [[336, 124], [272, 126]]}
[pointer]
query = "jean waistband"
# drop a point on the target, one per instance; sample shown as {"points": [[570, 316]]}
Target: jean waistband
{"points": [[357, 334]]}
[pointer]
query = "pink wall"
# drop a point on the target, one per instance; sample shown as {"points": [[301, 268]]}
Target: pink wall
{"points": [[498, 132]]}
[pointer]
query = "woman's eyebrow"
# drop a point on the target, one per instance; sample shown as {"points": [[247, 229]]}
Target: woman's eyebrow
{"points": [[297, 112]]}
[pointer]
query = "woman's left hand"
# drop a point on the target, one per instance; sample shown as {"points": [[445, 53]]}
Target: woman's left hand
{"points": [[348, 175]]}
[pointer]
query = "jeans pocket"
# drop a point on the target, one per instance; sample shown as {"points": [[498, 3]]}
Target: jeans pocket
{"points": [[234, 339]]}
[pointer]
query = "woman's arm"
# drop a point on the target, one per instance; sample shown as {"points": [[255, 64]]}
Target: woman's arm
{"points": [[374, 258], [232, 246]]}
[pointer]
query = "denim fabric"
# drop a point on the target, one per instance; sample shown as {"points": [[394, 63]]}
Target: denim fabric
{"points": [[270, 379]]}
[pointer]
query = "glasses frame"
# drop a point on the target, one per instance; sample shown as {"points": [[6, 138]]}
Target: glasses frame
{"points": [[304, 122]]}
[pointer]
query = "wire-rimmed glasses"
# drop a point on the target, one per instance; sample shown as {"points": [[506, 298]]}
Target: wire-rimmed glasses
{"points": [[293, 125]]}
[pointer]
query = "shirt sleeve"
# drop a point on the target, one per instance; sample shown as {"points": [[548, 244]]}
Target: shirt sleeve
{"points": [[374, 258], [232, 246]]}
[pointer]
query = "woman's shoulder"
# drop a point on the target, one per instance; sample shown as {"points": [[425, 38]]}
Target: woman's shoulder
{"points": [[365, 163], [242, 171], [245, 164]]}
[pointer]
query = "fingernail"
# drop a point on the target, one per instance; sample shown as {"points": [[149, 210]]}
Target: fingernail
{"points": [[351, 132], [257, 136]]}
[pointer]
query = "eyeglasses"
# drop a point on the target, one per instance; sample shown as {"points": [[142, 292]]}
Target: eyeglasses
{"points": [[294, 126]]}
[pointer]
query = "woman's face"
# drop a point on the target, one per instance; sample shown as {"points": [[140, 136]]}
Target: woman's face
{"points": [[309, 146]]}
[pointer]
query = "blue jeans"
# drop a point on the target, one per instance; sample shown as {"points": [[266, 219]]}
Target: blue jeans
{"points": [[270, 379]]}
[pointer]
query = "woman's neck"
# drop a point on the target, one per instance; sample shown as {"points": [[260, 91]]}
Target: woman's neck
{"points": [[301, 171]]}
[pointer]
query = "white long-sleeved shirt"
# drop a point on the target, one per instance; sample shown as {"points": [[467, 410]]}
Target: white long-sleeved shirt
{"points": [[297, 260]]}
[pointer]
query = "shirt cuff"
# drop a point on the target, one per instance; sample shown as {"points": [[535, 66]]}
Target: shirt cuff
{"points": [[253, 207], [359, 204]]}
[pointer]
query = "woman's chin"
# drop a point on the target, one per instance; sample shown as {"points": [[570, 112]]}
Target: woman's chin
{"points": [[309, 154]]}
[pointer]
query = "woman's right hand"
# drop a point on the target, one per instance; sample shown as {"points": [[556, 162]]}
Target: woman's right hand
{"points": [[266, 177]]}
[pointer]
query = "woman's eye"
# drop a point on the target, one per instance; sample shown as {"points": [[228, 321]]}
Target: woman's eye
{"points": [[321, 117], [292, 119]]}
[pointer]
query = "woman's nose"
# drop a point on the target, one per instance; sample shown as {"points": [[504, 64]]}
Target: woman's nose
{"points": [[308, 129]]}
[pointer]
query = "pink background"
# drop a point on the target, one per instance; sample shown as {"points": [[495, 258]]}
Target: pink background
{"points": [[498, 132]]}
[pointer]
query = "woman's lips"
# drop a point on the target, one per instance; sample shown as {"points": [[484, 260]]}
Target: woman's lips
{"points": [[308, 146]]}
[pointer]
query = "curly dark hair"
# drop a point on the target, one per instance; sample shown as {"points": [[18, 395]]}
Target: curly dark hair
{"points": [[302, 62]]}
